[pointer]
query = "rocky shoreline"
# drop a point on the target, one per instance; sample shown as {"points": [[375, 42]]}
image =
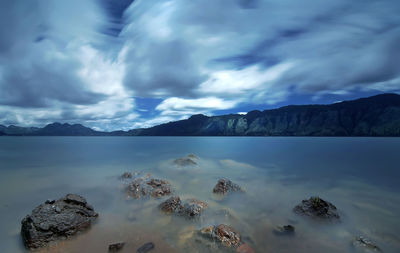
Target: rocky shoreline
{"points": [[66, 217]]}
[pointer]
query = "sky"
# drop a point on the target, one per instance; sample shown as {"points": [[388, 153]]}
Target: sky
{"points": [[123, 64]]}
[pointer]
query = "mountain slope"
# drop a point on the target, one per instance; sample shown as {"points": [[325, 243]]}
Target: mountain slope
{"points": [[374, 116]]}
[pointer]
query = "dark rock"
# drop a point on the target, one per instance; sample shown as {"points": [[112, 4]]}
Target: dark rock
{"points": [[225, 234], [284, 230], [316, 207], [192, 208], [171, 205], [126, 175], [365, 244], [116, 246], [144, 186], [225, 186], [56, 220], [146, 247]]}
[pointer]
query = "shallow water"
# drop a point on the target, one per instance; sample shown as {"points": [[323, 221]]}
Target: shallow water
{"points": [[359, 175]]}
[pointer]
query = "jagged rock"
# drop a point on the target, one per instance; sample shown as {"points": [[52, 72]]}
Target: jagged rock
{"points": [[316, 207], [126, 175], [171, 205], [284, 230], [192, 208], [146, 247], [365, 244], [116, 246], [225, 234], [225, 186], [56, 219], [145, 186]]}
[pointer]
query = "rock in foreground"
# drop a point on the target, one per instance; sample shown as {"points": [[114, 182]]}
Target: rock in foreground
{"points": [[56, 219], [225, 186], [365, 244], [225, 234], [316, 207]]}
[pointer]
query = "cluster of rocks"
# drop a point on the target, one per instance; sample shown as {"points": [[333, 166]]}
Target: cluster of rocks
{"points": [[56, 219], [65, 217]]}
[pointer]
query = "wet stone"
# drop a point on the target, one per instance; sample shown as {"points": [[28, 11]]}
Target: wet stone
{"points": [[116, 246], [284, 230], [142, 187], [224, 234], [225, 186], [365, 245], [316, 207], [56, 220], [190, 209], [245, 248], [146, 247], [126, 175]]}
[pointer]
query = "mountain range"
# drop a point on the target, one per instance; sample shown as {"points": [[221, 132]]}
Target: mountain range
{"points": [[372, 116]]}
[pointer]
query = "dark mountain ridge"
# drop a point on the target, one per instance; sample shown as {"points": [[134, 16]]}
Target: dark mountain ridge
{"points": [[373, 116]]}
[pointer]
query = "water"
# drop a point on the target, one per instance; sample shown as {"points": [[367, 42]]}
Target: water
{"points": [[359, 175]]}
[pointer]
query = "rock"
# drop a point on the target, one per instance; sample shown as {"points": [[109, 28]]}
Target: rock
{"points": [[146, 247], [284, 230], [145, 186], [192, 208], [225, 186], [225, 234], [365, 244], [171, 205], [186, 161], [316, 207], [56, 220], [244, 248], [126, 175], [116, 246]]}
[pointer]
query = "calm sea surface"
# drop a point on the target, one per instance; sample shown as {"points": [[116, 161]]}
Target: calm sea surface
{"points": [[361, 176]]}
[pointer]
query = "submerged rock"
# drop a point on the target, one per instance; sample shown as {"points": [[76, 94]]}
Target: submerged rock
{"points": [[56, 219], [225, 186], [192, 208], [189, 160], [316, 207], [146, 247], [146, 186], [171, 205], [224, 234], [365, 244], [116, 246], [126, 175], [284, 230]]}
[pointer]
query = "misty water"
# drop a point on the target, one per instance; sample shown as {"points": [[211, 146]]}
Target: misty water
{"points": [[358, 175]]}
